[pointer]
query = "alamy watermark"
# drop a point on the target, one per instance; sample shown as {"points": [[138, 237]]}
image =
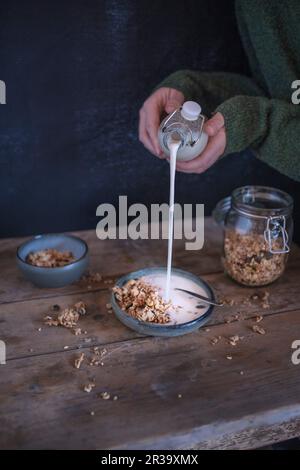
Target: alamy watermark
{"points": [[2, 92], [296, 354], [151, 224], [296, 94], [2, 352]]}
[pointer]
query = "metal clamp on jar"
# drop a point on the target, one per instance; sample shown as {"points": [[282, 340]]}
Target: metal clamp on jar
{"points": [[258, 225]]}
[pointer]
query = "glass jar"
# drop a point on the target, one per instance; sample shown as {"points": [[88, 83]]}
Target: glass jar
{"points": [[258, 225]]}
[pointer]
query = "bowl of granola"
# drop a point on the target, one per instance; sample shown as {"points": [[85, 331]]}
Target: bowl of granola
{"points": [[137, 301], [53, 260]]}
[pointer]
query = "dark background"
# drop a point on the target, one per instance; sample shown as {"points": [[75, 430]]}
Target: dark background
{"points": [[76, 74]]}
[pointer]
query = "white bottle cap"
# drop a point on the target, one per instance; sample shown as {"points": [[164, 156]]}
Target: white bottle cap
{"points": [[190, 110]]}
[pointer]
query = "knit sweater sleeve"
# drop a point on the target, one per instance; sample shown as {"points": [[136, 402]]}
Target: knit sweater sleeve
{"points": [[270, 126], [210, 88]]}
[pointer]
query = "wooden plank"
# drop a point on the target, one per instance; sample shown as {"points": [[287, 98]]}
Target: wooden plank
{"points": [[266, 429], [20, 321], [39, 369], [284, 295], [111, 258], [213, 236], [43, 405]]}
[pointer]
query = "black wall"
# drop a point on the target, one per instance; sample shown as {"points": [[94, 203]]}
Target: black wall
{"points": [[76, 74]]}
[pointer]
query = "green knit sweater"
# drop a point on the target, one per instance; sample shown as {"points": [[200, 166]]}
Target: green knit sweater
{"points": [[258, 112]]}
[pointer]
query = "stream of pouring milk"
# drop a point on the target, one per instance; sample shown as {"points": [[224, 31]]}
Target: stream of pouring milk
{"points": [[185, 308], [173, 146]]}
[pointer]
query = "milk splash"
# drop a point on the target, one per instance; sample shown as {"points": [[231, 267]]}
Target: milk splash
{"points": [[174, 145]]}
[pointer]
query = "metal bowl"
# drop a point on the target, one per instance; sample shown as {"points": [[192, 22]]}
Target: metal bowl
{"points": [[156, 329]]}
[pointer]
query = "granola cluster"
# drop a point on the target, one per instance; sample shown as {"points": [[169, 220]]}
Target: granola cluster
{"points": [[68, 317], [142, 301], [248, 259], [50, 258], [91, 278]]}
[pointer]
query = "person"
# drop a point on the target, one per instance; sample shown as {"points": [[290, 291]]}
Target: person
{"points": [[256, 112]]}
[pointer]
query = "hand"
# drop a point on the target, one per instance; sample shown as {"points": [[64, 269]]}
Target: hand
{"points": [[215, 130], [163, 100]]}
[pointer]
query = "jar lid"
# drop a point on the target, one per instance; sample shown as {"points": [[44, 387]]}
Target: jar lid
{"points": [[221, 209], [254, 201], [190, 110], [261, 201]]}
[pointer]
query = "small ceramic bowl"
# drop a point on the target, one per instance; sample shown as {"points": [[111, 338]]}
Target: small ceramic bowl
{"points": [[54, 277], [156, 329]]}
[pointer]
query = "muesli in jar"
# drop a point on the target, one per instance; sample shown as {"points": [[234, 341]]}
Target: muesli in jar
{"points": [[248, 259], [258, 227]]}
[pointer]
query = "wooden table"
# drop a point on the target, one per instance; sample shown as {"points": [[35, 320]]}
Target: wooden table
{"points": [[173, 393]]}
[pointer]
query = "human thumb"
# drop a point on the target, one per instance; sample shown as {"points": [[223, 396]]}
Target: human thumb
{"points": [[213, 125]]}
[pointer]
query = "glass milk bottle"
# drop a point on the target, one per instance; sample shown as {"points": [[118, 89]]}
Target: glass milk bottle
{"points": [[184, 124]]}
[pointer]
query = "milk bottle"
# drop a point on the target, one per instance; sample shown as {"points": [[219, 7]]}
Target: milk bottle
{"points": [[185, 124]]}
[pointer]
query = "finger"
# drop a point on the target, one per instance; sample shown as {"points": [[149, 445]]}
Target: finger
{"points": [[148, 145], [143, 134], [142, 127], [174, 100], [214, 149], [213, 125], [171, 105], [203, 166], [152, 125], [212, 152]]}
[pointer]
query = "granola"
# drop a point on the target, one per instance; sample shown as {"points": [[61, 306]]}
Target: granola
{"points": [[50, 258], [91, 278], [215, 340], [258, 329], [98, 356], [89, 387], [142, 301], [78, 361], [68, 317], [249, 261], [259, 318], [232, 318], [233, 340]]}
